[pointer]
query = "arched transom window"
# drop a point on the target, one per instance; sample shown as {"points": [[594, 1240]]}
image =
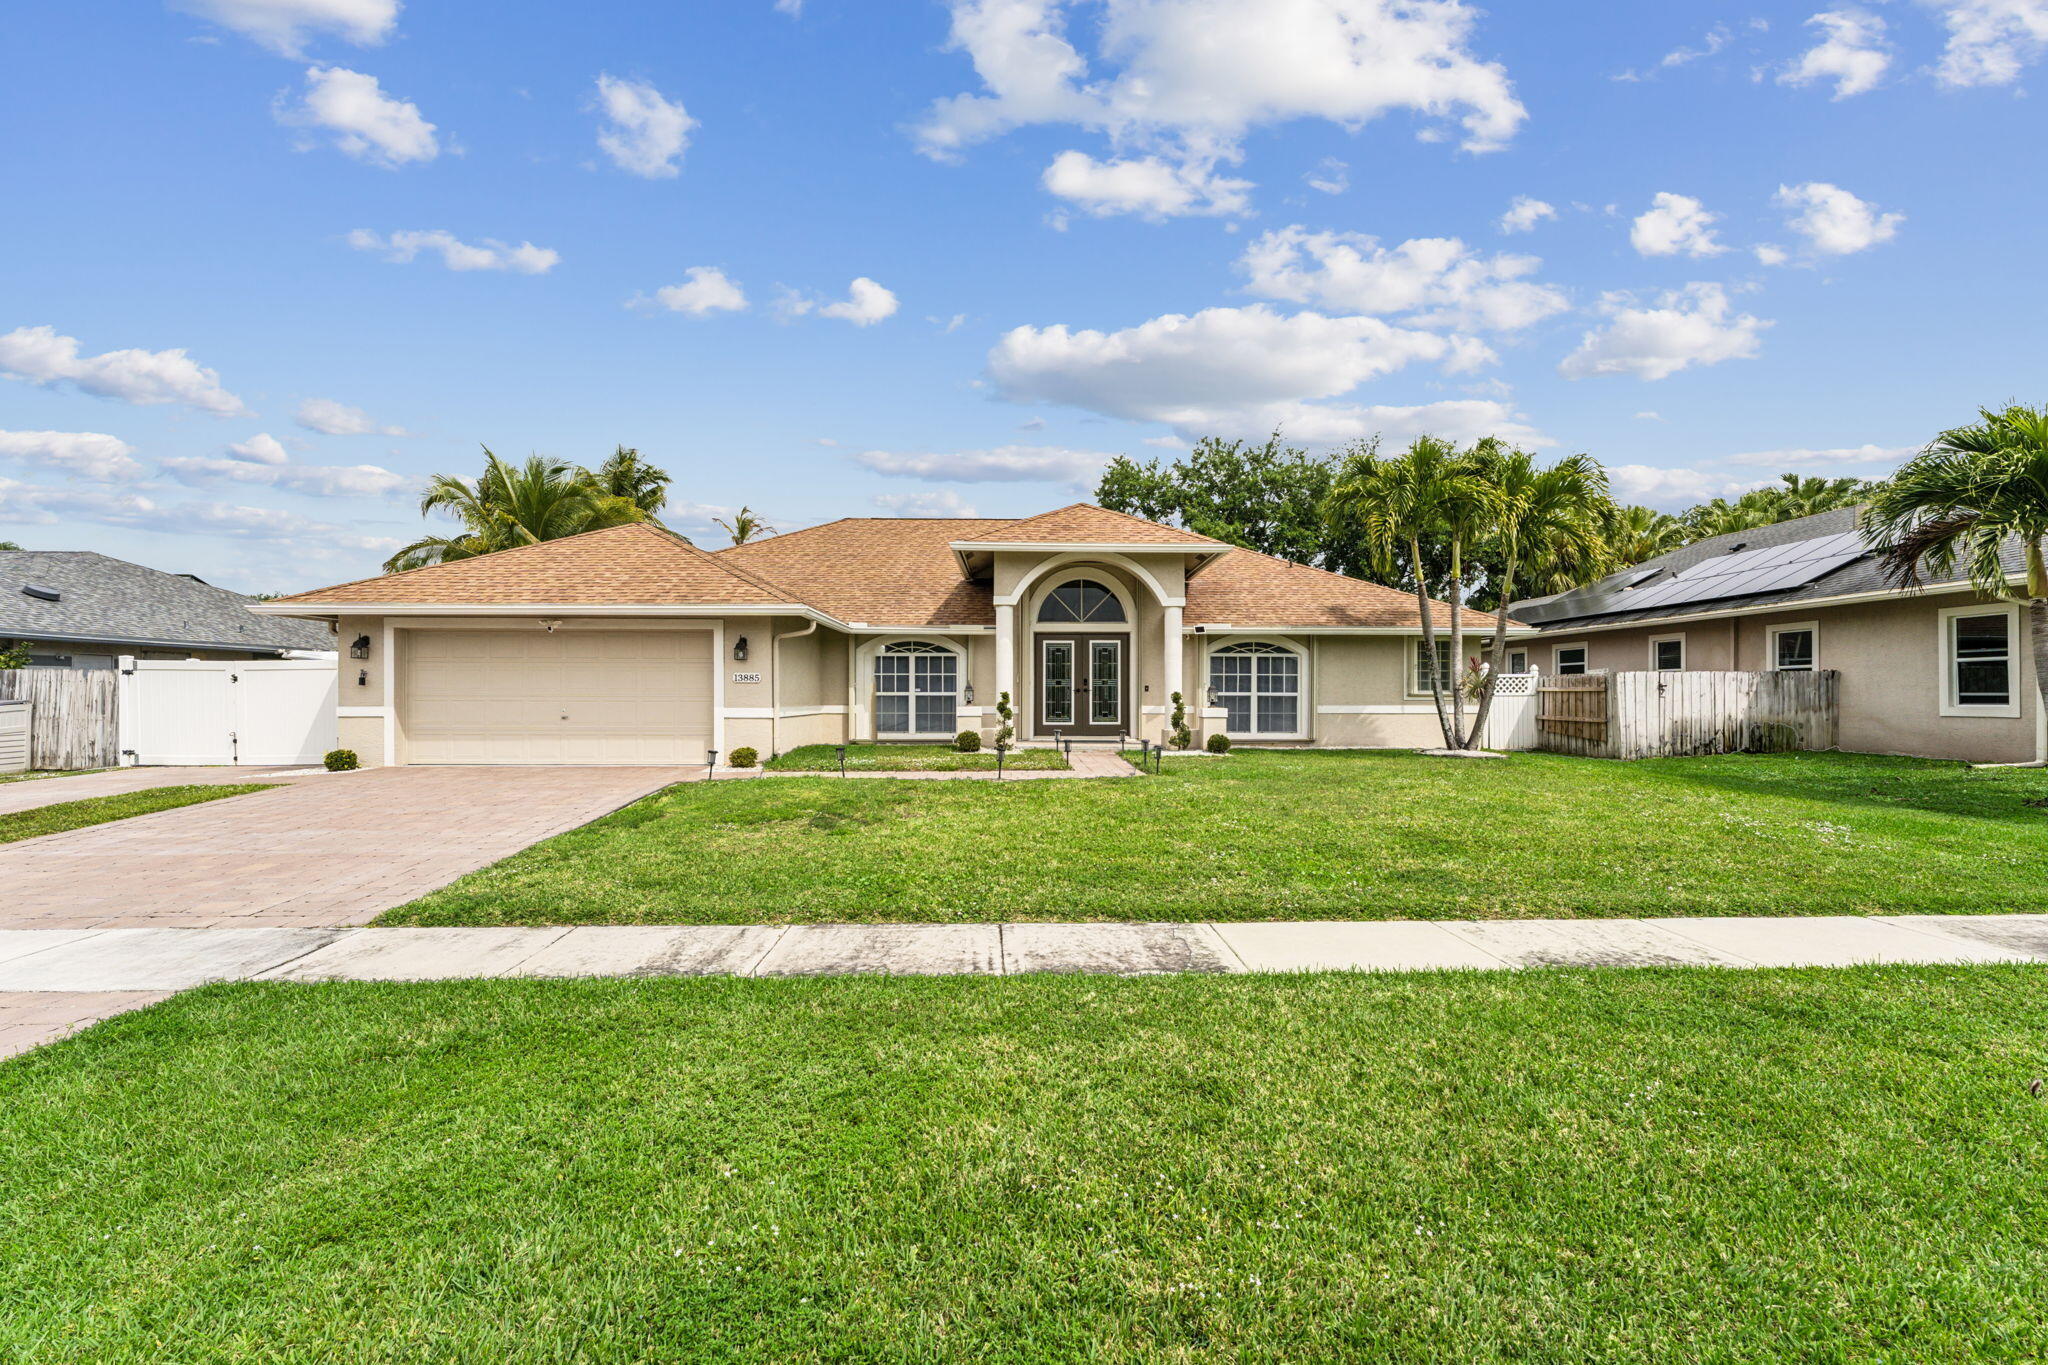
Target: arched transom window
{"points": [[917, 689], [1258, 685], [1081, 600]]}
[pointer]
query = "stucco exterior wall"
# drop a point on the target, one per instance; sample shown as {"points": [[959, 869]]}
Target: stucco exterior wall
{"points": [[1888, 653], [365, 735]]}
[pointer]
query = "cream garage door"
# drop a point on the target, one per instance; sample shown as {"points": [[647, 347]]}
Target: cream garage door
{"points": [[574, 696]]}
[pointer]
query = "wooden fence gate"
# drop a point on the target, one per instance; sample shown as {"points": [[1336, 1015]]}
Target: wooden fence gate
{"points": [[1672, 714]]}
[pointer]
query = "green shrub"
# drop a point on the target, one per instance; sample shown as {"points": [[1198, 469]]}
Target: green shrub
{"points": [[743, 757], [1219, 743], [342, 761], [968, 741], [1182, 737]]}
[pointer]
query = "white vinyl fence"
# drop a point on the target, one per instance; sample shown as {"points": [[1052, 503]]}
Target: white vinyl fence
{"points": [[14, 717], [1511, 724], [257, 713]]}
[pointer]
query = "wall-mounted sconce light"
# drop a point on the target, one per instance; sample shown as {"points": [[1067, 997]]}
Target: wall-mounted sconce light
{"points": [[360, 649], [739, 650], [1212, 696], [362, 677], [967, 694]]}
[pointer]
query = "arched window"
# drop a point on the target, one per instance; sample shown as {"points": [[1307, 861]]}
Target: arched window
{"points": [[1081, 600], [1259, 687], [917, 689]]}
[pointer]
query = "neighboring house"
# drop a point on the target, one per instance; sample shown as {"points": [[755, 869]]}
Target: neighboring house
{"points": [[629, 645], [1938, 673], [78, 609]]}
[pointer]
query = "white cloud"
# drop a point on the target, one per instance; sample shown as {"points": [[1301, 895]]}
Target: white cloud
{"points": [[456, 254], [1789, 459], [1149, 186], [1833, 221], [645, 134], [1770, 253], [1671, 489], [1990, 41], [1330, 176], [1003, 464], [1695, 325], [1187, 81], [1525, 213], [262, 448], [866, 303], [1649, 417], [330, 418], [1852, 53], [1439, 281], [85, 454], [793, 8], [947, 326], [144, 378], [705, 290], [43, 505], [1242, 371], [1166, 442], [323, 481], [284, 26], [1675, 223], [944, 503], [366, 123], [1712, 44]]}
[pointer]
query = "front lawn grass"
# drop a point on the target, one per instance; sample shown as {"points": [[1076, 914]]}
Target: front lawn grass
{"points": [[906, 758], [1608, 1165], [98, 810], [1301, 835], [48, 772]]}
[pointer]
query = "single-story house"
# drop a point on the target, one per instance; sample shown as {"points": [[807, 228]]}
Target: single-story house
{"points": [[630, 645], [79, 609], [1937, 673]]}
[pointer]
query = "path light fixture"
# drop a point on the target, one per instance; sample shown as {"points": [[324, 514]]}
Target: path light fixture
{"points": [[842, 759], [711, 766]]}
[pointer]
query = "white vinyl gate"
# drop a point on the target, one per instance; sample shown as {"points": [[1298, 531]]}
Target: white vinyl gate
{"points": [[1511, 724], [256, 713]]}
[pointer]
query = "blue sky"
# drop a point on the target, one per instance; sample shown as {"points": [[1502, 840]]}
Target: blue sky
{"points": [[232, 340]]}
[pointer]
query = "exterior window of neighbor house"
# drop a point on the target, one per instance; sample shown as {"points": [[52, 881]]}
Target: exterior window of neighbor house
{"points": [[1667, 655], [1518, 661], [1259, 687], [1570, 659], [1977, 661], [1446, 674], [917, 690], [1792, 648]]}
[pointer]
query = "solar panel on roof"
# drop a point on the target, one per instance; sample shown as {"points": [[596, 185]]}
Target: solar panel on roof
{"points": [[1746, 573]]}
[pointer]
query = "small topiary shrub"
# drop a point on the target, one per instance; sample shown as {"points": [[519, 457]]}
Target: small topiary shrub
{"points": [[1219, 743], [1182, 737], [342, 761], [743, 757], [968, 741]]}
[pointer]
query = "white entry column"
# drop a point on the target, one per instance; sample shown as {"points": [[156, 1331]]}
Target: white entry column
{"points": [[1175, 649], [1006, 659]]}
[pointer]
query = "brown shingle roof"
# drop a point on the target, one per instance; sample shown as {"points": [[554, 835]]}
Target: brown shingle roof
{"points": [[1085, 523], [633, 565], [1246, 588], [885, 571]]}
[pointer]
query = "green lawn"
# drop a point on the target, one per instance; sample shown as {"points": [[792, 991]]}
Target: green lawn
{"points": [[48, 772], [1302, 835], [1569, 1166], [98, 810], [903, 758]]}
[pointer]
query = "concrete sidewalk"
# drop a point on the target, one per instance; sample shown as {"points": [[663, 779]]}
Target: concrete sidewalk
{"points": [[50, 973]]}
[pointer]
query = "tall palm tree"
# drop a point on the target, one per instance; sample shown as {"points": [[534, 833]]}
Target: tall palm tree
{"points": [[1545, 531], [625, 475], [1634, 534], [1974, 491], [1432, 491], [744, 526], [508, 505]]}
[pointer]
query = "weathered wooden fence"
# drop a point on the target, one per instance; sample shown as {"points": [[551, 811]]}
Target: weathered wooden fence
{"points": [[75, 719], [1664, 715]]}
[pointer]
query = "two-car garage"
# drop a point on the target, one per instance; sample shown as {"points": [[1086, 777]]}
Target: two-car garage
{"points": [[574, 696]]}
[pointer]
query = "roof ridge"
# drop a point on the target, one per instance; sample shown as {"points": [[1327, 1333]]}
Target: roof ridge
{"points": [[1112, 512]]}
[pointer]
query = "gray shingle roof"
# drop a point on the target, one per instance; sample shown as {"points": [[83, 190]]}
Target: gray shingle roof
{"points": [[1603, 601], [103, 598]]}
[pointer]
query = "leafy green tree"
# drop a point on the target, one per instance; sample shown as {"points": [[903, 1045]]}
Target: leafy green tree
{"points": [[745, 526], [513, 505], [625, 475], [1973, 492], [8, 545], [1633, 534], [1792, 497], [13, 654], [1264, 496]]}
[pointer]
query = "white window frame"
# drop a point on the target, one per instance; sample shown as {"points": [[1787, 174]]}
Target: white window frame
{"points": [[1523, 651], [1301, 687], [875, 693], [1082, 573], [1415, 646], [1946, 650], [1787, 628], [1585, 665], [1656, 640]]}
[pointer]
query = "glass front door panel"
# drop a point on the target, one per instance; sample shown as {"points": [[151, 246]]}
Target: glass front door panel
{"points": [[1058, 674], [1105, 682]]}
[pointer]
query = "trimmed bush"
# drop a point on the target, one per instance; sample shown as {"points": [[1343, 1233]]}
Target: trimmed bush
{"points": [[742, 757], [968, 741], [342, 761], [1219, 743]]}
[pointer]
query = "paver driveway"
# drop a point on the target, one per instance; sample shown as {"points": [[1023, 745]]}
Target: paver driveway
{"points": [[320, 851], [50, 791]]}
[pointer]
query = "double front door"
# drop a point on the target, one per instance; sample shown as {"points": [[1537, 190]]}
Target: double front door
{"points": [[1083, 684]]}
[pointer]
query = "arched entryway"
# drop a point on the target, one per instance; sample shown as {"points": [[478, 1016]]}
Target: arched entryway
{"points": [[1081, 664]]}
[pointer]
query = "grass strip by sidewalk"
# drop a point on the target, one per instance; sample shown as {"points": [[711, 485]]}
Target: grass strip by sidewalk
{"points": [[1606, 1166], [48, 772], [99, 810], [911, 758]]}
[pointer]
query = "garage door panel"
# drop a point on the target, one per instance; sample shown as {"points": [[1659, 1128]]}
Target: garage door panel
{"points": [[571, 697]]}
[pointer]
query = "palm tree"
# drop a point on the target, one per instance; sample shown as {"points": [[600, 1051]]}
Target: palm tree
{"points": [[626, 475], [1974, 491], [543, 499], [8, 545], [1634, 534], [1432, 491], [1792, 497], [744, 526]]}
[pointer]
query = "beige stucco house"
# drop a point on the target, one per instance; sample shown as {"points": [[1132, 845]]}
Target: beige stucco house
{"points": [[1936, 673], [630, 645]]}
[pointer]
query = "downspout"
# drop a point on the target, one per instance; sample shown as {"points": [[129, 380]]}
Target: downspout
{"points": [[775, 686]]}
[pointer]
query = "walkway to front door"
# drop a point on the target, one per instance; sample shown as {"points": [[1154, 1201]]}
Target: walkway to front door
{"points": [[1084, 685]]}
